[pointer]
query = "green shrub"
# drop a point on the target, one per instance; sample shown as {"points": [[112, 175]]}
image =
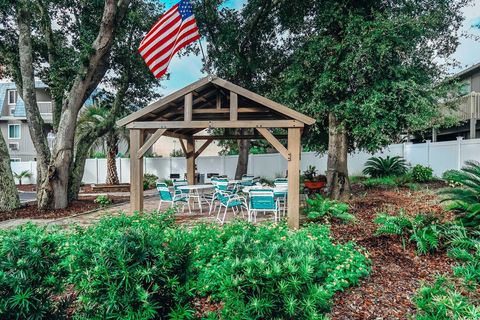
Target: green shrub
{"points": [[421, 173], [103, 200], [149, 181], [323, 209], [384, 182], [464, 201], [270, 272], [377, 167], [31, 273], [128, 267], [168, 182]]}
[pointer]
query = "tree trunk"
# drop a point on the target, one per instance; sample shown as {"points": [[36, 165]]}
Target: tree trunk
{"points": [[54, 171], [338, 183], [242, 164], [8, 191], [112, 150]]}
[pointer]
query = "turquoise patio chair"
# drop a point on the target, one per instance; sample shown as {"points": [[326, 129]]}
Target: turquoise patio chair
{"points": [[262, 200], [281, 193], [229, 200], [221, 185], [173, 200], [247, 180], [177, 183]]}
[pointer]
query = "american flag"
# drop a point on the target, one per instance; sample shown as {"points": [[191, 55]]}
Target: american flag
{"points": [[174, 30]]}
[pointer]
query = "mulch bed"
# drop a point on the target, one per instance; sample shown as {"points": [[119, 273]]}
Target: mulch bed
{"points": [[27, 187], [397, 272], [78, 206]]}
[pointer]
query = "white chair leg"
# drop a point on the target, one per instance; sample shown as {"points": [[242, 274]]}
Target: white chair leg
{"points": [[159, 205], [224, 214], [218, 213]]}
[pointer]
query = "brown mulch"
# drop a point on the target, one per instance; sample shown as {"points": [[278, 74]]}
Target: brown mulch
{"points": [[31, 211], [397, 272], [27, 187]]}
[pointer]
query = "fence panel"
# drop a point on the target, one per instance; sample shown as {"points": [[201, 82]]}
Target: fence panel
{"points": [[441, 156]]}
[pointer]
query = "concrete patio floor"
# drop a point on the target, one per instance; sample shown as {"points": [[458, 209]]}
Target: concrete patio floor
{"points": [[151, 202]]}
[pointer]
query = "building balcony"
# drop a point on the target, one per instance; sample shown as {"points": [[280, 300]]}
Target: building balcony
{"points": [[468, 107]]}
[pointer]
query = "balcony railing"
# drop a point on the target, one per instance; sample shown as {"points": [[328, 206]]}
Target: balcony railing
{"points": [[468, 107], [45, 107]]}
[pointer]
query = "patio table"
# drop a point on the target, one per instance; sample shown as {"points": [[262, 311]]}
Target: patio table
{"points": [[195, 191]]}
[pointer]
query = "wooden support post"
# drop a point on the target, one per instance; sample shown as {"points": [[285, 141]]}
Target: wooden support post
{"points": [[188, 107], [149, 143], [184, 149], [233, 106], [274, 142], [190, 160], [294, 145], [203, 147], [218, 102], [136, 171], [473, 128]]}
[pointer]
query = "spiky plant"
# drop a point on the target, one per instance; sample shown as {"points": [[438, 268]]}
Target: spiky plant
{"points": [[22, 175], [383, 167], [464, 201]]}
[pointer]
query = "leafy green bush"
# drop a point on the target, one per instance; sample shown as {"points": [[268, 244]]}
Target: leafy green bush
{"points": [[128, 267], [168, 182], [464, 201], [377, 167], [421, 173], [31, 273], [270, 272], [149, 181], [384, 182], [320, 208], [103, 200]]}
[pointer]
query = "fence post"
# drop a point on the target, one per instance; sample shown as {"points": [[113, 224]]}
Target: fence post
{"points": [[96, 169], [428, 152], [223, 165], [459, 152], [120, 169]]}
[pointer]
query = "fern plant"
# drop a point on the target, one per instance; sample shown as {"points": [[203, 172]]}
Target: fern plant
{"points": [[382, 167], [464, 201], [320, 208], [423, 229]]}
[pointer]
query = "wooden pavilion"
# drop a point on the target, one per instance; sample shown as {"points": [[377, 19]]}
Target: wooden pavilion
{"points": [[212, 102]]}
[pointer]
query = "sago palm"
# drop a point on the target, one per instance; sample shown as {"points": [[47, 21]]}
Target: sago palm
{"points": [[377, 167], [465, 200]]}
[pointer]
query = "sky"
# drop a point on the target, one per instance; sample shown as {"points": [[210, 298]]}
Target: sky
{"points": [[187, 69]]}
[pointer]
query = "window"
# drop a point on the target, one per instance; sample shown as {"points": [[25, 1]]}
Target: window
{"points": [[12, 97], [12, 110], [15, 159], [13, 131], [13, 146]]}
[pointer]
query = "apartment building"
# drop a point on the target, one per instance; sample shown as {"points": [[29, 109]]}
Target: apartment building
{"points": [[13, 120]]}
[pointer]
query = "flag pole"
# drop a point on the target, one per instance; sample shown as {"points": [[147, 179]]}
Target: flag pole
{"points": [[207, 62]]}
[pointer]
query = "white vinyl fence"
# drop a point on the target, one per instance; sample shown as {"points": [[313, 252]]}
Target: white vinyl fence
{"points": [[440, 156]]}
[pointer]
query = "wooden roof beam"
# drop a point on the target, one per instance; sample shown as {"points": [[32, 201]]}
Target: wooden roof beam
{"points": [[216, 124]]}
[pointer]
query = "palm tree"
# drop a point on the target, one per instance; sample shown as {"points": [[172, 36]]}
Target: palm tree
{"points": [[93, 117], [22, 175]]}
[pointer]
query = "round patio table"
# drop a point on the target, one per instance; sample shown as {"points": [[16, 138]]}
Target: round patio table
{"points": [[196, 190]]}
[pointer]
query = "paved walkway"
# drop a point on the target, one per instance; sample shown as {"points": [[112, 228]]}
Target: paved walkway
{"points": [[151, 202]]}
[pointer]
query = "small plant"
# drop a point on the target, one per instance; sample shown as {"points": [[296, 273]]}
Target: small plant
{"points": [[384, 182], [103, 200], [22, 175], [423, 230], [377, 167], [99, 155], [168, 182], [320, 208], [421, 173], [310, 173], [149, 181], [464, 201], [449, 177]]}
